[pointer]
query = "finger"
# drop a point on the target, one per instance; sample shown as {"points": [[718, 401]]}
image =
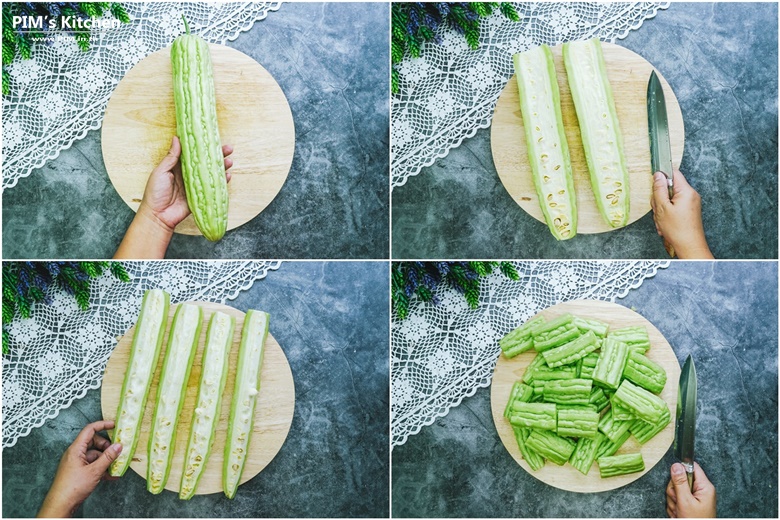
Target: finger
{"points": [[700, 480], [660, 190], [227, 150], [86, 436], [670, 494], [671, 512], [228, 163], [680, 482], [680, 184], [100, 442], [93, 455], [228, 176], [170, 160], [106, 458]]}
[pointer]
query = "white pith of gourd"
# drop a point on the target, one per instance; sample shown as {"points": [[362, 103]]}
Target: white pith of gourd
{"points": [[169, 393], [544, 139], [601, 136], [245, 395], [139, 373], [206, 413]]}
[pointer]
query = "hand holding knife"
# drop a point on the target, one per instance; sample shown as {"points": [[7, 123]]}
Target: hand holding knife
{"points": [[660, 145]]}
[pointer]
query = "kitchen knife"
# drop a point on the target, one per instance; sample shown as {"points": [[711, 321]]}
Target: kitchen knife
{"points": [[685, 426], [658, 126]]}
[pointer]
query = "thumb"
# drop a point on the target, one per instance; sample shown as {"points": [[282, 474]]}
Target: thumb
{"points": [[680, 482], [109, 455], [660, 188], [170, 160]]}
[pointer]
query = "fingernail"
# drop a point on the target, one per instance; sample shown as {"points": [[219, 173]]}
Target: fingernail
{"points": [[658, 175], [677, 469], [116, 447]]}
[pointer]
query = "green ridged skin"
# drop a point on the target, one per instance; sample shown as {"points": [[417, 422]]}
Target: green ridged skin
{"points": [[598, 398], [540, 416], [599, 328], [613, 428], [621, 464], [528, 375], [520, 339], [588, 365], [571, 351], [612, 361], [644, 405], [568, 391], [533, 459], [644, 372], [585, 453], [179, 355], [545, 373], [636, 338], [620, 413], [644, 431], [521, 392], [602, 140], [608, 447], [144, 355], [556, 338], [548, 151], [574, 422], [213, 376], [202, 162], [242, 408], [555, 325], [553, 447]]}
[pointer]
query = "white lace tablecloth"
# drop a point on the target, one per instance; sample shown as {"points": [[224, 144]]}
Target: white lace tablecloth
{"points": [[450, 92], [61, 352], [61, 93], [443, 353]]}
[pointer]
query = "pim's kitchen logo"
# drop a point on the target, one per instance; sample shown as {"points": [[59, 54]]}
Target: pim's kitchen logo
{"points": [[37, 23]]}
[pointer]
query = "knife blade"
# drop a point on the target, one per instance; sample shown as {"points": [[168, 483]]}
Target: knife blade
{"points": [[658, 127], [685, 425]]}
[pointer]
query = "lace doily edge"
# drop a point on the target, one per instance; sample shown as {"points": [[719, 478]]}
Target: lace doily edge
{"points": [[53, 154], [102, 366], [485, 123], [486, 382]]}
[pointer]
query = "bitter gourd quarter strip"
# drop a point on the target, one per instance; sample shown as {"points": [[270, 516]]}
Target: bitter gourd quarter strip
{"points": [[556, 338], [521, 338], [144, 354], [533, 459], [213, 376], [602, 140], [548, 152], [612, 361], [588, 365], [571, 351], [528, 375], [202, 162], [613, 428], [545, 373], [619, 413], [645, 405], [598, 398], [608, 447], [635, 337], [599, 328], [521, 392], [577, 422], [644, 372], [568, 391], [180, 352], [585, 453], [242, 408], [550, 446], [621, 464], [540, 416], [644, 431]]}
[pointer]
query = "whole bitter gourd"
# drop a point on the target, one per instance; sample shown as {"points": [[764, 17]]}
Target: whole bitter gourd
{"points": [[202, 162]]}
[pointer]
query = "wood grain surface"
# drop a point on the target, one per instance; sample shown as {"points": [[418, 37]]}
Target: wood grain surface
{"points": [[566, 477], [628, 75], [273, 412], [253, 115]]}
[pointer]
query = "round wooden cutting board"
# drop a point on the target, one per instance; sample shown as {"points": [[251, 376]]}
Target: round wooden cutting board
{"points": [[628, 75], [566, 477], [253, 115], [273, 412]]}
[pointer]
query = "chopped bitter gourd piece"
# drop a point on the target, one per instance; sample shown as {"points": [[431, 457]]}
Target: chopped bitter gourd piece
{"points": [[182, 345], [556, 338], [520, 339], [644, 431], [213, 376], [621, 464], [574, 422], [572, 351], [602, 141], [612, 361], [598, 398], [550, 446], [528, 375], [144, 354], [568, 391], [608, 447], [520, 392], [548, 151], [612, 428], [645, 405], [242, 409], [588, 365], [636, 338], [554, 326], [644, 372], [599, 328], [540, 416], [585, 453], [545, 373], [621, 414], [533, 459]]}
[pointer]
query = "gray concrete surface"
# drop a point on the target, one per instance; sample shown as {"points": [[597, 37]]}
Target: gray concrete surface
{"points": [[331, 319], [721, 61], [725, 315], [332, 62]]}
